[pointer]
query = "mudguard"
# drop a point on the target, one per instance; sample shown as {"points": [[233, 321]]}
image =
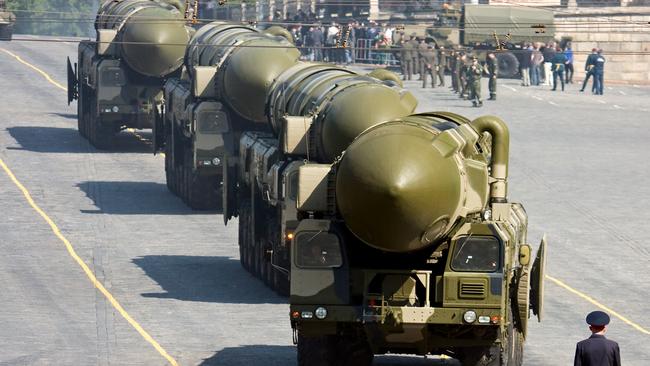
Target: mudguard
{"points": [[73, 82], [537, 281]]}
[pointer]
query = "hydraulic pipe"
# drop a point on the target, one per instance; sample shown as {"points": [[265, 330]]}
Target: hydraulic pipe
{"points": [[500, 154]]}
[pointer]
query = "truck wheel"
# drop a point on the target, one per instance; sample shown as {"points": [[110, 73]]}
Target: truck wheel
{"points": [[480, 356], [317, 351], [81, 113], [280, 283], [169, 168], [244, 210], [354, 351], [508, 64], [203, 194]]}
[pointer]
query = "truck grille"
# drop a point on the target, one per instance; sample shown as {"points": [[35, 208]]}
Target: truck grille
{"points": [[473, 290]]}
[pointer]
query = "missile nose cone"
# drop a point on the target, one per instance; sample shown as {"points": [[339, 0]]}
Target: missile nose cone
{"points": [[154, 42], [393, 188]]}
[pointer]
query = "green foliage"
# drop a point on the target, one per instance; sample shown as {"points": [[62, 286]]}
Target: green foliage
{"points": [[54, 17]]}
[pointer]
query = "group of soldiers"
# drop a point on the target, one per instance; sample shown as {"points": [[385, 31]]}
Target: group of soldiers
{"points": [[418, 56]]}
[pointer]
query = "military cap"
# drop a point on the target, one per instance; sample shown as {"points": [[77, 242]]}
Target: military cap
{"points": [[597, 318]]}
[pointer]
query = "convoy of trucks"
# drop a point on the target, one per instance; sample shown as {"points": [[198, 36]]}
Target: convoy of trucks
{"points": [[390, 231]]}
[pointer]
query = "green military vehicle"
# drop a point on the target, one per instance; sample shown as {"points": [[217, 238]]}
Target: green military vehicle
{"points": [[200, 120], [119, 77], [481, 28], [389, 231], [7, 21]]}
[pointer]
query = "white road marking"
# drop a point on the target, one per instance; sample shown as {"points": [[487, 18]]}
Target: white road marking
{"points": [[536, 97], [552, 103], [617, 106], [602, 102], [636, 86], [509, 87], [609, 88], [622, 92]]}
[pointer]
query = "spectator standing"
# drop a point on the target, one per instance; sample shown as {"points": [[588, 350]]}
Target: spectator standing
{"points": [[589, 68], [558, 61], [525, 64], [568, 73], [316, 37], [599, 71], [536, 63], [548, 52]]}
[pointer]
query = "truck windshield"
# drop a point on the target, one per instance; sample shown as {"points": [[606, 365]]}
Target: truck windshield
{"points": [[477, 254]]}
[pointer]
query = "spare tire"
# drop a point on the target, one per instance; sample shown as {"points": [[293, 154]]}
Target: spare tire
{"points": [[508, 65]]}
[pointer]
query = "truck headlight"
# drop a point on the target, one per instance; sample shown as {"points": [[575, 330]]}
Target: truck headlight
{"points": [[320, 312], [469, 316]]}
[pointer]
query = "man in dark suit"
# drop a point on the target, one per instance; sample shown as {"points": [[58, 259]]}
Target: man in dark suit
{"points": [[597, 350]]}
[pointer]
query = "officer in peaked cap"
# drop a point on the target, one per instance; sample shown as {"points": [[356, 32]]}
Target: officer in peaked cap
{"points": [[597, 350]]}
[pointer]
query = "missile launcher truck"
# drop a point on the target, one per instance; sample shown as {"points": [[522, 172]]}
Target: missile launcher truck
{"points": [[7, 21], [390, 231], [119, 77], [212, 102]]}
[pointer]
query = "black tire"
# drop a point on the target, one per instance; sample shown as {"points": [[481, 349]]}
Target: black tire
{"points": [[317, 351], [81, 113], [508, 64], [243, 233], [280, 283], [169, 169], [203, 194], [354, 351]]}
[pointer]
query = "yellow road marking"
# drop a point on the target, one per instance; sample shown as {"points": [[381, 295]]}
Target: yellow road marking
{"points": [[85, 267], [598, 304], [45, 75], [69, 246]]}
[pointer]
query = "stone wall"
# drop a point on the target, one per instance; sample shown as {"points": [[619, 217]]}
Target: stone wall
{"points": [[622, 32]]}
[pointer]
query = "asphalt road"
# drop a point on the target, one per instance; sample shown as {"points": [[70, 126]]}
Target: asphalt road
{"points": [[578, 163]]}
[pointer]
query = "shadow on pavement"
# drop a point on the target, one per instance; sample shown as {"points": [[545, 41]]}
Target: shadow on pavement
{"points": [[135, 198], [65, 115], [205, 279], [253, 355], [262, 355], [68, 140]]}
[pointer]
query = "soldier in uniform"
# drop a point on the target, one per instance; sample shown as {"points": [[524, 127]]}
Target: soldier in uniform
{"points": [[474, 82], [463, 69], [589, 68], [422, 49], [452, 70], [414, 53], [442, 64], [429, 64], [492, 70], [405, 59], [597, 350]]}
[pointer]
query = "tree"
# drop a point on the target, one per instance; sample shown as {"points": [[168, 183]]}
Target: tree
{"points": [[54, 17]]}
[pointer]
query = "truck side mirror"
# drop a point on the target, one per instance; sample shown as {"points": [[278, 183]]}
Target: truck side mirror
{"points": [[524, 255]]}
